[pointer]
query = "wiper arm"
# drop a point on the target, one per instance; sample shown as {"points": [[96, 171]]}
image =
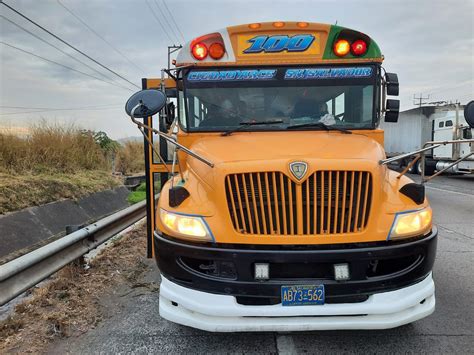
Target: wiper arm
{"points": [[321, 125], [250, 123]]}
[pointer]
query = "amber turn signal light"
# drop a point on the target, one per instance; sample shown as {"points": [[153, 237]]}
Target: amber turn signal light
{"points": [[342, 47], [199, 51]]}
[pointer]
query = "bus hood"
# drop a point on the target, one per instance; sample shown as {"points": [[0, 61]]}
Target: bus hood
{"points": [[273, 151], [252, 146]]}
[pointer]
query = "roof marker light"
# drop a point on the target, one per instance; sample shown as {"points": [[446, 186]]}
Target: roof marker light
{"points": [[278, 24], [216, 50], [302, 24], [254, 26], [359, 48], [199, 51], [341, 47]]}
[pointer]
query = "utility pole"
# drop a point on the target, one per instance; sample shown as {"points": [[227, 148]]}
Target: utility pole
{"points": [[419, 99], [171, 50]]}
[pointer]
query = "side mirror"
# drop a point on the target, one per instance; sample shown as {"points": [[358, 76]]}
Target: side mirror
{"points": [[145, 103], [392, 110], [391, 80], [469, 114]]}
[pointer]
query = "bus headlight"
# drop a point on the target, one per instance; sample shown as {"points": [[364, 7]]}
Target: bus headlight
{"points": [[186, 227], [411, 224]]}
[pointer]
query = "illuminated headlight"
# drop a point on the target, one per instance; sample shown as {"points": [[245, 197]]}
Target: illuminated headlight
{"points": [[411, 224], [186, 227]]}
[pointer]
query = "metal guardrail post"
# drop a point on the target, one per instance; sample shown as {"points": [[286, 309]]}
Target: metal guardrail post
{"points": [[28, 270]]}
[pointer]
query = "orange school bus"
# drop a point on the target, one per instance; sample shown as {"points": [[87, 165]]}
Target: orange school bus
{"points": [[277, 211]]}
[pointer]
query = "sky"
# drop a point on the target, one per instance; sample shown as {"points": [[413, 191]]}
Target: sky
{"points": [[429, 44]]}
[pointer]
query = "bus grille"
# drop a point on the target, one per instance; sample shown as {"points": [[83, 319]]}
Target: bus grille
{"points": [[327, 202]]}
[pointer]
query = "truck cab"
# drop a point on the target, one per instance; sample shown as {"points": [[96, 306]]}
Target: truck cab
{"points": [[283, 217]]}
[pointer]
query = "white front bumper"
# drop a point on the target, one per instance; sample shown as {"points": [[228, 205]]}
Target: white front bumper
{"points": [[220, 313]]}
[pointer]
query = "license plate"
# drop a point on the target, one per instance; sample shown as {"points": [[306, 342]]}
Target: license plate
{"points": [[302, 295]]}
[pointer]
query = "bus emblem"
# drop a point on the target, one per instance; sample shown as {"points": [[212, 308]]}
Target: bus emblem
{"points": [[279, 43], [298, 169]]}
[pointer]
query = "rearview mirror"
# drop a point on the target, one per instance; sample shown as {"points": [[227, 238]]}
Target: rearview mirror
{"points": [[469, 114], [145, 103], [391, 80], [392, 109]]}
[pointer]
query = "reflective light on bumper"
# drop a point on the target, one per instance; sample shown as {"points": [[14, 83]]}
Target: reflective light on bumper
{"points": [[341, 272], [262, 271]]}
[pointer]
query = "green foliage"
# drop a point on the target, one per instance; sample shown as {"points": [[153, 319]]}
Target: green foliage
{"points": [[107, 144], [139, 194], [136, 196]]}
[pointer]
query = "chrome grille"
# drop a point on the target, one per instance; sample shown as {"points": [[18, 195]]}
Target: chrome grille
{"points": [[327, 202]]}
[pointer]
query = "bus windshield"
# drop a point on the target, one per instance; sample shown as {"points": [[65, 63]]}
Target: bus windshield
{"points": [[223, 99]]}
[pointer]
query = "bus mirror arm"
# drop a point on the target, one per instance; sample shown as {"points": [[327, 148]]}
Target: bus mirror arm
{"points": [[169, 139], [421, 155]]}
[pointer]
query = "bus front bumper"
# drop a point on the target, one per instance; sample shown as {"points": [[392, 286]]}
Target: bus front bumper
{"points": [[213, 287], [220, 313]]}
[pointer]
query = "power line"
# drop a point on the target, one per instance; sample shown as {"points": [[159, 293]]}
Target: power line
{"points": [[52, 45], [172, 19], [64, 66], [59, 108], [98, 35], [69, 45], [55, 110], [166, 20], [158, 20]]}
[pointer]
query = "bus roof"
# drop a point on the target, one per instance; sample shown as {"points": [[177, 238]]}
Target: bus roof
{"points": [[274, 43]]}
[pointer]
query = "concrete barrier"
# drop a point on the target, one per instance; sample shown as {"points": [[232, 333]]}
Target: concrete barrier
{"points": [[32, 227]]}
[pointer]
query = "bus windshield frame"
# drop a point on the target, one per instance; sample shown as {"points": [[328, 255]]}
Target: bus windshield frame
{"points": [[302, 83]]}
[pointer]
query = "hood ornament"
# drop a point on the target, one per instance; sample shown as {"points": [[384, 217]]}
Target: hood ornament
{"points": [[298, 169]]}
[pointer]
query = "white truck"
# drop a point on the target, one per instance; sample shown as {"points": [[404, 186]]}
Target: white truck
{"points": [[431, 123]]}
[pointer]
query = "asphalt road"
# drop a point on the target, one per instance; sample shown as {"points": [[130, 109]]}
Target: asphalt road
{"points": [[135, 326]]}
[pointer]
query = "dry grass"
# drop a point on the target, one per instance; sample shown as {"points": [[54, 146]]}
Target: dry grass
{"points": [[130, 158], [51, 163], [25, 190], [70, 304], [51, 148]]}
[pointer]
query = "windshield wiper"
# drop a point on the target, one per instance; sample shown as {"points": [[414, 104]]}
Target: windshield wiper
{"points": [[250, 123], [321, 125]]}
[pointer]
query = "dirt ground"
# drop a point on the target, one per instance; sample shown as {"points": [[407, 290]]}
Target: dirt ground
{"points": [[70, 304]]}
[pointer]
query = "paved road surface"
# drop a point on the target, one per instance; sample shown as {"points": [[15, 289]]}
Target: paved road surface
{"points": [[135, 326]]}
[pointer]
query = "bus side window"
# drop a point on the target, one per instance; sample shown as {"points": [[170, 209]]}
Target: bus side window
{"points": [[467, 133], [339, 106], [330, 105], [449, 123], [182, 111], [196, 110], [441, 124]]}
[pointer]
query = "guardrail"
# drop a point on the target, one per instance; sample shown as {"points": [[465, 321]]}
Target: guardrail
{"points": [[28, 270]]}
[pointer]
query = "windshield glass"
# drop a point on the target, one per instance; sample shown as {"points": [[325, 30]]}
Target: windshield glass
{"points": [[223, 99]]}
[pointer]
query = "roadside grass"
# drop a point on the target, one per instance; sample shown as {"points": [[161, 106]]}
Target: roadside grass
{"points": [[51, 148], [55, 162], [25, 190], [130, 158], [139, 194]]}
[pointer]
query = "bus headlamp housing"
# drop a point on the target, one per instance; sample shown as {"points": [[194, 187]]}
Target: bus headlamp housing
{"points": [[187, 227], [411, 223]]}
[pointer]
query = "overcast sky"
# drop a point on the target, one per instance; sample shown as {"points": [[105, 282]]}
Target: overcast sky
{"points": [[428, 43]]}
